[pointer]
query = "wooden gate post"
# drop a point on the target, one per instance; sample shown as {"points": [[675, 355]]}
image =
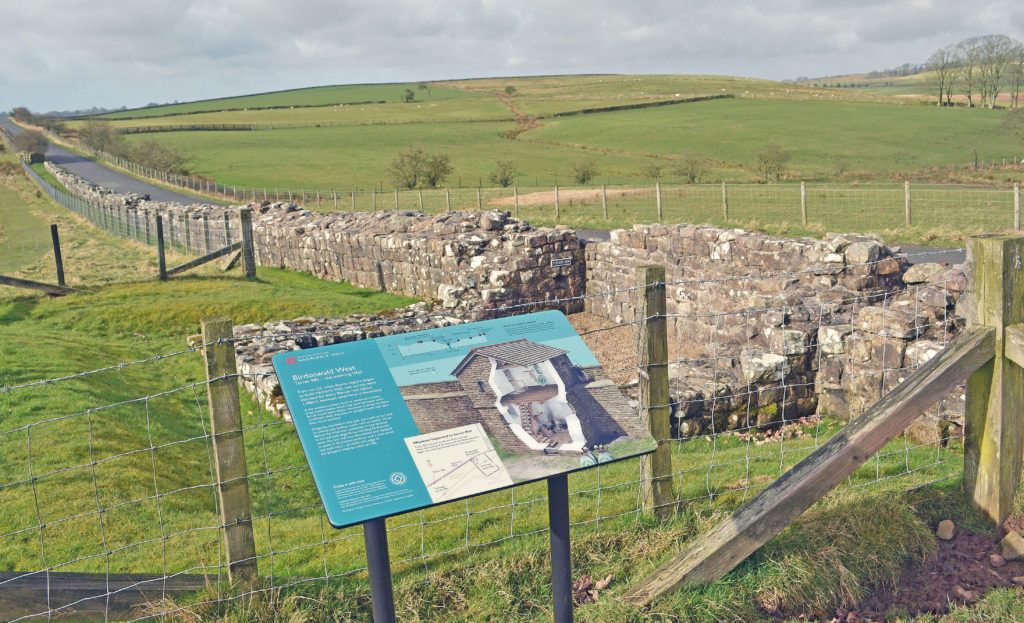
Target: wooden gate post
{"points": [[994, 414], [229, 450], [656, 469], [248, 253]]}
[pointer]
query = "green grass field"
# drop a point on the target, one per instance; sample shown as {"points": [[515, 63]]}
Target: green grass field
{"points": [[826, 138], [313, 96]]}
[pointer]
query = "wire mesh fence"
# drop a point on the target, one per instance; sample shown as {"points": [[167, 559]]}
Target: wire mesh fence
{"points": [[111, 471]]}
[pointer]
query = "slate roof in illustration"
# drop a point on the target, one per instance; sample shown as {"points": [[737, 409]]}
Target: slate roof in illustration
{"points": [[516, 352]]}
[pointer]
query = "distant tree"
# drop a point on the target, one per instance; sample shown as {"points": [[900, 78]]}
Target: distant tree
{"points": [[160, 156], [510, 90], [504, 174], [653, 170], [435, 169], [408, 96], [407, 167], [101, 137], [423, 86], [22, 114], [968, 56], [942, 64], [584, 172], [31, 142], [692, 167], [1017, 78], [995, 54], [771, 162]]}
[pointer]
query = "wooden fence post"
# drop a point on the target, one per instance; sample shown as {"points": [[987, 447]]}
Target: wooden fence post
{"points": [[725, 203], [396, 200], [558, 208], [1016, 206], [657, 199], [994, 426], [374, 197], [906, 203], [145, 216], [419, 195], [227, 228], [515, 194], [604, 201], [160, 251], [206, 233], [447, 200], [229, 450], [479, 200], [656, 469], [353, 201], [803, 203], [248, 253], [57, 258]]}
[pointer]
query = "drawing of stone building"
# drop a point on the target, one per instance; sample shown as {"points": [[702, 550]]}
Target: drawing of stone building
{"points": [[529, 397]]}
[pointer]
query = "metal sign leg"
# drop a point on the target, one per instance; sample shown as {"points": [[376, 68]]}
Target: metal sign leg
{"points": [[561, 571], [375, 535]]}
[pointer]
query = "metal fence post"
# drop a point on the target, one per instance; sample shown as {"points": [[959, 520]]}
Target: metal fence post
{"points": [[248, 253], [993, 427], [655, 469], [229, 449]]}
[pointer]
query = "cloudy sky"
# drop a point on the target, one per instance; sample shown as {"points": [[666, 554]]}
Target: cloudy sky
{"points": [[65, 54]]}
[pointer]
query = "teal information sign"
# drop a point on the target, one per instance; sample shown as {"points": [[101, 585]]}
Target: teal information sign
{"points": [[406, 421]]}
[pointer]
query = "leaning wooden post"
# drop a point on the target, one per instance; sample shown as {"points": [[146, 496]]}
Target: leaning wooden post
{"points": [[57, 258], [803, 203], [248, 252], [160, 251], [1016, 206], [906, 203], [479, 200], [604, 201], [657, 199], [229, 450], [725, 203], [656, 469], [419, 196], [994, 413]]}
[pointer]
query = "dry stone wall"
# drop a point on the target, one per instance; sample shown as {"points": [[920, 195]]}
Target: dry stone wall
{"points": [[766, 329], [482, 263]]}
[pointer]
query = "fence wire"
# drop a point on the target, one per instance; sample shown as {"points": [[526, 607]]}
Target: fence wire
{"points": [[129, 485]]}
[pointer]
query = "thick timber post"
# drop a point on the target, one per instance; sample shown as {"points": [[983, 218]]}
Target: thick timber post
{"points": [[994, 414], [656, 469]]}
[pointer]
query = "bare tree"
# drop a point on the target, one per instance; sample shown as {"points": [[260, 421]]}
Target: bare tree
{"points": [[692, 167], [771, 161], [942, 64], [967, 67], [504, 174], [995, 54], [584, 172], [101, 137], [1017, 77], [435, 168], [414, 166]]}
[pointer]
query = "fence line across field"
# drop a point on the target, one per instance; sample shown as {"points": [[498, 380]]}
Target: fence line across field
{"points": [[608, 493]]}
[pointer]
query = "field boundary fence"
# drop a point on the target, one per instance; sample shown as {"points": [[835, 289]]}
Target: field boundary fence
{"points": [[838, 207], [124, 529]]}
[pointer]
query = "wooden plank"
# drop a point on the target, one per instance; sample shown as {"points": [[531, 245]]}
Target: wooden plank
{"points": [[199, 261], [1013, 345], [118, 595], [656, 469], [716, 553], [34, 285], [231, 260], [993, 426], [229, 449]]}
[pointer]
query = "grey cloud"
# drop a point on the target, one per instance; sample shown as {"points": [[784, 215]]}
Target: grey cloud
{"points": [[74, 53]]}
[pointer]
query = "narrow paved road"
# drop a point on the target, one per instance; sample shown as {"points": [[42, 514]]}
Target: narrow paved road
{"points": [[101, 175]]}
